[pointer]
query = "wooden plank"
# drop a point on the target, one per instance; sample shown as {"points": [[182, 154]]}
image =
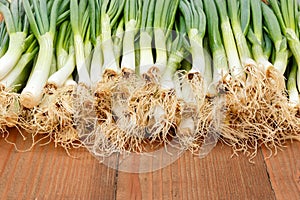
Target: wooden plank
{"points": [[215, 177], [49, 173], [284, 171]]}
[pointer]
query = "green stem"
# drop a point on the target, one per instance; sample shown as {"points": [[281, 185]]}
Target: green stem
{"points": [[234, 64], [33, 92], [215, 41], [16, 78], [292, 85], [13, 54]]}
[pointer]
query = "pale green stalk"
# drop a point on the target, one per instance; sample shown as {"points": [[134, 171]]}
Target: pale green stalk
{"points": [[45, 34]]}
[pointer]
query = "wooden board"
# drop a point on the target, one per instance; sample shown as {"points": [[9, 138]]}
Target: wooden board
{"points": [[284, 171], [49, 173], [214, 177]]}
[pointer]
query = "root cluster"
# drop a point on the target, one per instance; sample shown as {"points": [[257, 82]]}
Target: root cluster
{"points": [[127, 113], [258, 113]]}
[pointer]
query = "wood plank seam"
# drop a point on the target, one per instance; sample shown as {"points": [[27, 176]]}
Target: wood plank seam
{"points": [[284, 170], [267, 172], [116, 178]]}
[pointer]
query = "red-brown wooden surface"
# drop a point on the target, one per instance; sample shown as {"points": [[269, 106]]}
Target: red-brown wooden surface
{"points": [[46, 172]]}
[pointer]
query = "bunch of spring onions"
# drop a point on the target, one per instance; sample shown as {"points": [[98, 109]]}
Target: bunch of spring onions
{"points": [[259, 111], [129, 75]]}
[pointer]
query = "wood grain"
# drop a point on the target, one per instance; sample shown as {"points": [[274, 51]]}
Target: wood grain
{"points": [[284, 171], [215, 177], [49, 173]]}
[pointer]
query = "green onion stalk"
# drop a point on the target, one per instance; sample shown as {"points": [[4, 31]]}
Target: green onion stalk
{"points": [[14, 65], [13, 83], [118, 37], [17, 28], [199, 75], [79, 17], [110, 12], [154, 115], [118, 127], [146, 59], [293, 121], [141, 88], [65, 55], [215, 80], [109, 70], [245, 14], [280, 44], [88, 48], [42, 21], [188, 101], [85, 23], [123, 113], [164, 17], [109, 67], [165, 115], [268, 46], [4, 39], [129, 81], [37, 120], [220, 64], [292, 85], [52, 113], [238, 92], [255, 36], [208, 74], [234, 63], [132, 17], [228, 73], [95, 29], [240, 25], [59, 105], [192, 87], [17, 77], [126, 131], [110, 92], [287, 15]]}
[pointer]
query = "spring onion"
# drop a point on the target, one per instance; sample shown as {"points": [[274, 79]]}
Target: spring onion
{"points": [[97, 58], [285, 14], [17, 29], [4, 39], [65, 57], [234, 63], [43, 25], [239, 28], [164, 18], [146, 34], [218, 52], [195, 21], [292, 85], [110, 11], [276, 36], [18, 75], [79, 21], [132, 15]]}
